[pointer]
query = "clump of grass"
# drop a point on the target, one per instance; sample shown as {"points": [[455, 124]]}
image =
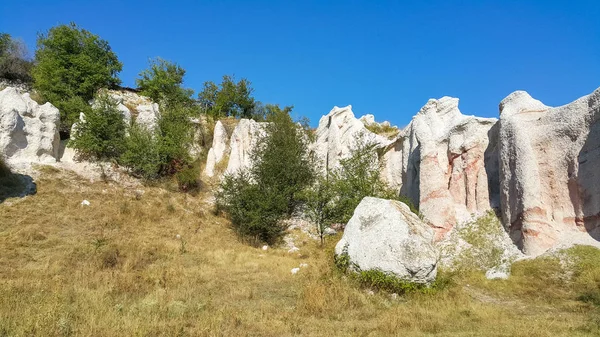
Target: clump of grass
{"points": [[385, 130]]}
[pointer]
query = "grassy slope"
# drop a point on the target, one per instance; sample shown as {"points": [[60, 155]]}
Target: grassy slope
{"points": [[116, 268]]}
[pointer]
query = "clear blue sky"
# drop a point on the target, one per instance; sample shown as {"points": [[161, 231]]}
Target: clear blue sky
{"points": [[383, 57]]}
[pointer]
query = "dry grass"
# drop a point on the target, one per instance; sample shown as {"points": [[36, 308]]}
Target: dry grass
{"points": [[116, 268]]}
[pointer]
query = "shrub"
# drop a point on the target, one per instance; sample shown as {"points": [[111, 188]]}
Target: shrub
{"points": [[102, 135], [359, 176], [174, 135], [319, 205], [142, 153], [14, 62], [188, 179], [257, 199], [162, 82], [71, 64]]}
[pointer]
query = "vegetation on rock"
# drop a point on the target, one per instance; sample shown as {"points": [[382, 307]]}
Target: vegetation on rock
{"points": [[71, 64]]}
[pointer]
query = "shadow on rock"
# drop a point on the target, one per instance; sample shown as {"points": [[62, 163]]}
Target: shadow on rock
{"points": [[16, 186]]}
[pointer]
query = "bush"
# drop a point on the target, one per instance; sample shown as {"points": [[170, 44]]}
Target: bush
{"points": [[102, 135], [71, 64], [142, 153], [14, 63], [162, 82], [359, 176], [257, 199]]}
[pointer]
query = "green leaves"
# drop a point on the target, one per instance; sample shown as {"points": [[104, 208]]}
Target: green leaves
{"points": [[257, 199], [230, 99], [102, 135], [162, 82], [71, 65]]}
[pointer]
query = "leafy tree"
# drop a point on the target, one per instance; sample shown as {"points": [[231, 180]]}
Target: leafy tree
{"points": [[71, 64], [229, 99], [102, 135], [319, 204], [162, 82], [14, 63], [258, 198], [359, 176]]}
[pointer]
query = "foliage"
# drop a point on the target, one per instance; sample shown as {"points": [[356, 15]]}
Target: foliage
{"points": [[164, 151], [257, 199], [14, 62], [162, 82], [142, 154], [359, 176], [71, 64], [188, 179], [175, 136], [229, 99], [102, 135], [319, 204]]}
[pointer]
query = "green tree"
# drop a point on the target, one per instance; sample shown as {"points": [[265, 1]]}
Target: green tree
{"points": [[102, 135], [258, 198], [71, 64], [319, 204], [14, 62], [229, 99], [359, 176], [162, 82]]}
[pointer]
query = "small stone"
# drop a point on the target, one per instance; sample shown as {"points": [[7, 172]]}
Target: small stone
{"points": [[295, 271], [293, 250], [85, 203], [303, 265], [265, 247]]}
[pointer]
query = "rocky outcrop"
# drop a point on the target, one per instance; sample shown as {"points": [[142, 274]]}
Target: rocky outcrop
{"points": [[243, 141], [141, 109], [219, 149], [28, 131], [385, 235], [549, 176], [338, 133], [446, 163]]}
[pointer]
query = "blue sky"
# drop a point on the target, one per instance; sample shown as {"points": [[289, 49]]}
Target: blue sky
{"points": [[383, 57]]}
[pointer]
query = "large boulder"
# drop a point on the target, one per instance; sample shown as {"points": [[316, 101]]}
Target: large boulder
{"points": [[219, 149], [339, 132], [549, 176], [446, 163], [28, 131], [385, 235], [132, 105]]}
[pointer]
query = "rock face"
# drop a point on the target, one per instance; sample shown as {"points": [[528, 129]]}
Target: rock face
{"points": [[549, 171], [243, 141], [385, 235], [28, 131], [144, 111], [338, 132], [447, 163], [219, 149]]}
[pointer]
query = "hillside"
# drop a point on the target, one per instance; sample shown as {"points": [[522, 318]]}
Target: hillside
{"points": [[148, 261]]}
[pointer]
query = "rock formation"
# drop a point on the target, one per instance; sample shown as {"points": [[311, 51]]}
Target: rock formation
{"points": [[243, 141], [338, 132], [549, 171], [385, 235], [446, 163], [219, 149], [28, 131], [144, 111]]}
